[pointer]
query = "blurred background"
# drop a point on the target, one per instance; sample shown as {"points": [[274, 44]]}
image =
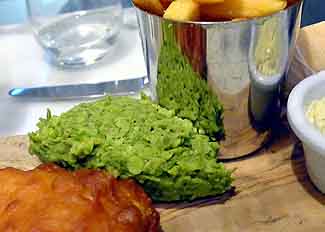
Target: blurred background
{"points": [[313, 12], [14, 11]]}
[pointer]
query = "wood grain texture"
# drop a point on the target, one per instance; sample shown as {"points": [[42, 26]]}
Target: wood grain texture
{"points": [[14, 153], [273, 193]]}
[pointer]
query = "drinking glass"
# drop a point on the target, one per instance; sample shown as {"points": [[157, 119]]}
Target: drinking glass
{"points": [[75, 32]]}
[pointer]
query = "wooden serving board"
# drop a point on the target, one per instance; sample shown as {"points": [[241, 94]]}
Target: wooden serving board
{"points": [[273, 193]]}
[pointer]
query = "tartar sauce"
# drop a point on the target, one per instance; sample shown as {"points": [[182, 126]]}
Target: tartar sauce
{"points": [[316, 114]]}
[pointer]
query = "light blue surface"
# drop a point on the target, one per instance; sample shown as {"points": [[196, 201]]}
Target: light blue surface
{"points": [[12, 11]]}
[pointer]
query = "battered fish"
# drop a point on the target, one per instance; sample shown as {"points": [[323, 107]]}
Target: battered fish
{"points": [[51, 199]]}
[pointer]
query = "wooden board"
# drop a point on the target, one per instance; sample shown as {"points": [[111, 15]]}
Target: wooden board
{"points": [[273, 193]]}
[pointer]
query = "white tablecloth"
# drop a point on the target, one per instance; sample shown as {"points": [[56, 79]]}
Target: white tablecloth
{"points": [[23, 64]]}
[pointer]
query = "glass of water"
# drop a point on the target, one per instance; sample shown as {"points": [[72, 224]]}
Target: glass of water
{"points": [[75, 33]]}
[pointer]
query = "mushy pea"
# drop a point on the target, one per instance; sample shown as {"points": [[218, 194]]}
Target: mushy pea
{"points": [[134, 138]]}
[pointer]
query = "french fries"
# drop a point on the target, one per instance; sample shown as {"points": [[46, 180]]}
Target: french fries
{"points": [[232, 9], [152, 6], [166, 3], [212, 10], [183, 10], [208, 1]]}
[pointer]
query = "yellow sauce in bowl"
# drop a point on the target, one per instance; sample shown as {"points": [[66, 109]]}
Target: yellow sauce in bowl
{"points": [[316, 114]]}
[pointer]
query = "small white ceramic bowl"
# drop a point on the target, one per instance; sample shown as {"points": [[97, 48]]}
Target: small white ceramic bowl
{"points": [[311, 88]]}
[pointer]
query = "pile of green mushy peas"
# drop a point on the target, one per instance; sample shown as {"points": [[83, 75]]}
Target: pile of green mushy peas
{"points": [[132, 138]]}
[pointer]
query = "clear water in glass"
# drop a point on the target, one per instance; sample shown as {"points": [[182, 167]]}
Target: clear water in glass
{"points": [[77, 38]]}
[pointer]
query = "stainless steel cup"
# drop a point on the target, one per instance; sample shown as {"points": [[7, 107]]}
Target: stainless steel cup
{"points": [[243, 63]]}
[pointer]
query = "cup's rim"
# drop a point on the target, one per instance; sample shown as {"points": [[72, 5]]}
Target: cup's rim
{"points": [[207, 23]]}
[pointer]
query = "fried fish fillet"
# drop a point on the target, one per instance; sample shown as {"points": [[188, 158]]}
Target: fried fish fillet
{"points": [[51, 199]]}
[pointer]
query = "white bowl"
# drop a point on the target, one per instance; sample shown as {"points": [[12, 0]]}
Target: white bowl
{"points": [[313, 141]]}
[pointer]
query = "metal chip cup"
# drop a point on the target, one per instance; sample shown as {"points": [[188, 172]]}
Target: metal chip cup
{"points": [[226, 77]]}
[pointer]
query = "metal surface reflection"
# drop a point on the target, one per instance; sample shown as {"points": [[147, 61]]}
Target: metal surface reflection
{"points": [[243, 63]]}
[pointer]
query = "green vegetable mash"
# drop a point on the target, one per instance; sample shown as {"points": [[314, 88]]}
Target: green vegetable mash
{"points": [[134, 138], [181, 89]]}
